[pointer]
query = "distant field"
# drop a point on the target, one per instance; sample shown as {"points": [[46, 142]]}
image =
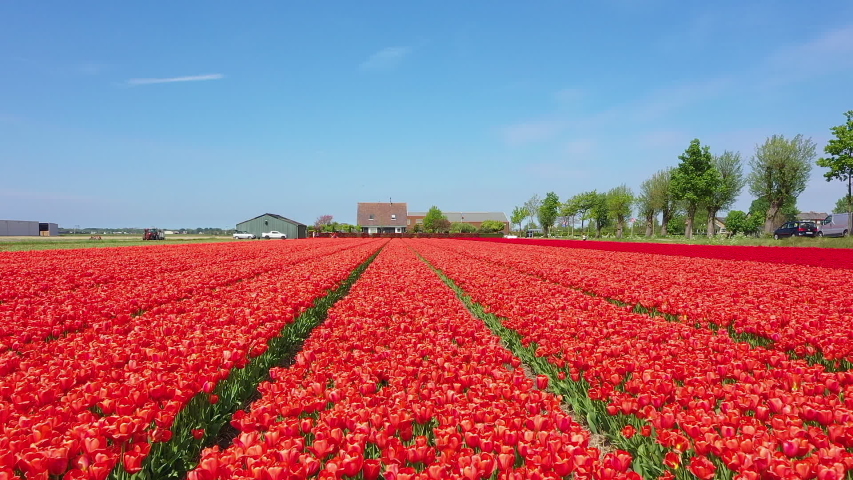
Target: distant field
{"points": [[16, 244]]}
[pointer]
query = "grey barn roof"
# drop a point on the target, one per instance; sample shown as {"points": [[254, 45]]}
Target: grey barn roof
{"points": [[476, 217], [274, 216]]}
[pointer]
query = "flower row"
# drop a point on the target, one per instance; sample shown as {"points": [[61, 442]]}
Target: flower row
{"points": [[86, 401], [706, 396], [110, 289], [402, 382], [802, 309]]}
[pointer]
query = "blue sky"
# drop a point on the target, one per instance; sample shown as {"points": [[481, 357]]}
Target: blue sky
{"points": [[185, 114]]}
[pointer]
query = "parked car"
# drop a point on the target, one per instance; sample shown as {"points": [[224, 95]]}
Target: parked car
{"points": [[835, 225], [243, 235], [796, 229], [274, 234]]}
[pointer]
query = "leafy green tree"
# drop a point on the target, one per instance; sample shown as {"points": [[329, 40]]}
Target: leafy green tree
{"points": [[599, 212], [569, 212], [646, 206], [780, 170], [547, 213], [694, 180], [619, 201], [737, 222], [787, 213], [532, 206], [435, 221], [840, 160], [462, 227], [582, 204], [677, 222], [843, 205], [518, 215], [662, 199], [742, 222], [730, 170], [492, 226]]}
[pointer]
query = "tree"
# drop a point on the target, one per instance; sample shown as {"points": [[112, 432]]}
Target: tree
{"points": [[518, 216], [619, 201], [694, 180], [492, 226], [582, 204], [646, 206], [532, 206], [435, 221], [840, 160], [730, 171], [662, 199], [780, 170], [787, 213], [599, 211], [843, 205], [547, 213], [569, 211], [322, 221], [462, 227], [737, 222]]}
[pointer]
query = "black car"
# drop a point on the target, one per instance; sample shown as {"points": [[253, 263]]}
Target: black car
{"points": [[796, 229]]}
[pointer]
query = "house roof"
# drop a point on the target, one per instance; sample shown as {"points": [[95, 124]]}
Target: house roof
{"points": [[811, 216], [274, 216], [382, 213], [468, 217]]}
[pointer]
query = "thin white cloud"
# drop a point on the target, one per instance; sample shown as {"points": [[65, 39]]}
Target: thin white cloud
{"points": [[194, 78], [385, 59]]}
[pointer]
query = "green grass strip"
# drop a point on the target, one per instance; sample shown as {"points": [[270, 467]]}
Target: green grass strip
{"points": [[173, 459]]}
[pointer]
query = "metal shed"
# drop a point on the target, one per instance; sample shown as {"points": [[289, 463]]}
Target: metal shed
{"points": [[270, 221], [19, 228]]}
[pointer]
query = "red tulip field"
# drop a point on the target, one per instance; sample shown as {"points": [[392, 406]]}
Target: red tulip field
{"points": [[425, 359]]}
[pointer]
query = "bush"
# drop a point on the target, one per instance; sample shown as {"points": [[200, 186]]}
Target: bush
{"points": [[459, 227], [492, 226]]}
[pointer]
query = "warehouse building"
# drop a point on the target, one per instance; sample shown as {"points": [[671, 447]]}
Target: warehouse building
{"points": [[27, 228], [269, 222]]}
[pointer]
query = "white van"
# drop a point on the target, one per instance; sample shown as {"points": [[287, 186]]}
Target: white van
{"points": [[835, 225]]}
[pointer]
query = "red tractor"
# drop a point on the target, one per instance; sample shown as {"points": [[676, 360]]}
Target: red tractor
{"points": [[153, 234]]}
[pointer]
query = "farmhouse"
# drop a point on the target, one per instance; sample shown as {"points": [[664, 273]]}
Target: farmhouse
{"points": [[270, 221], [474, 218], [382, 217], [817, 217]]}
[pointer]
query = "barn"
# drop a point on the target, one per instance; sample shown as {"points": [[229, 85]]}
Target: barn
{"points": [[270, 221], [25, 228]]}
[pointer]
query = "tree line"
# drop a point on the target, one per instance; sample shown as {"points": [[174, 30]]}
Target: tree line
{"points": [[706, 183]]}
